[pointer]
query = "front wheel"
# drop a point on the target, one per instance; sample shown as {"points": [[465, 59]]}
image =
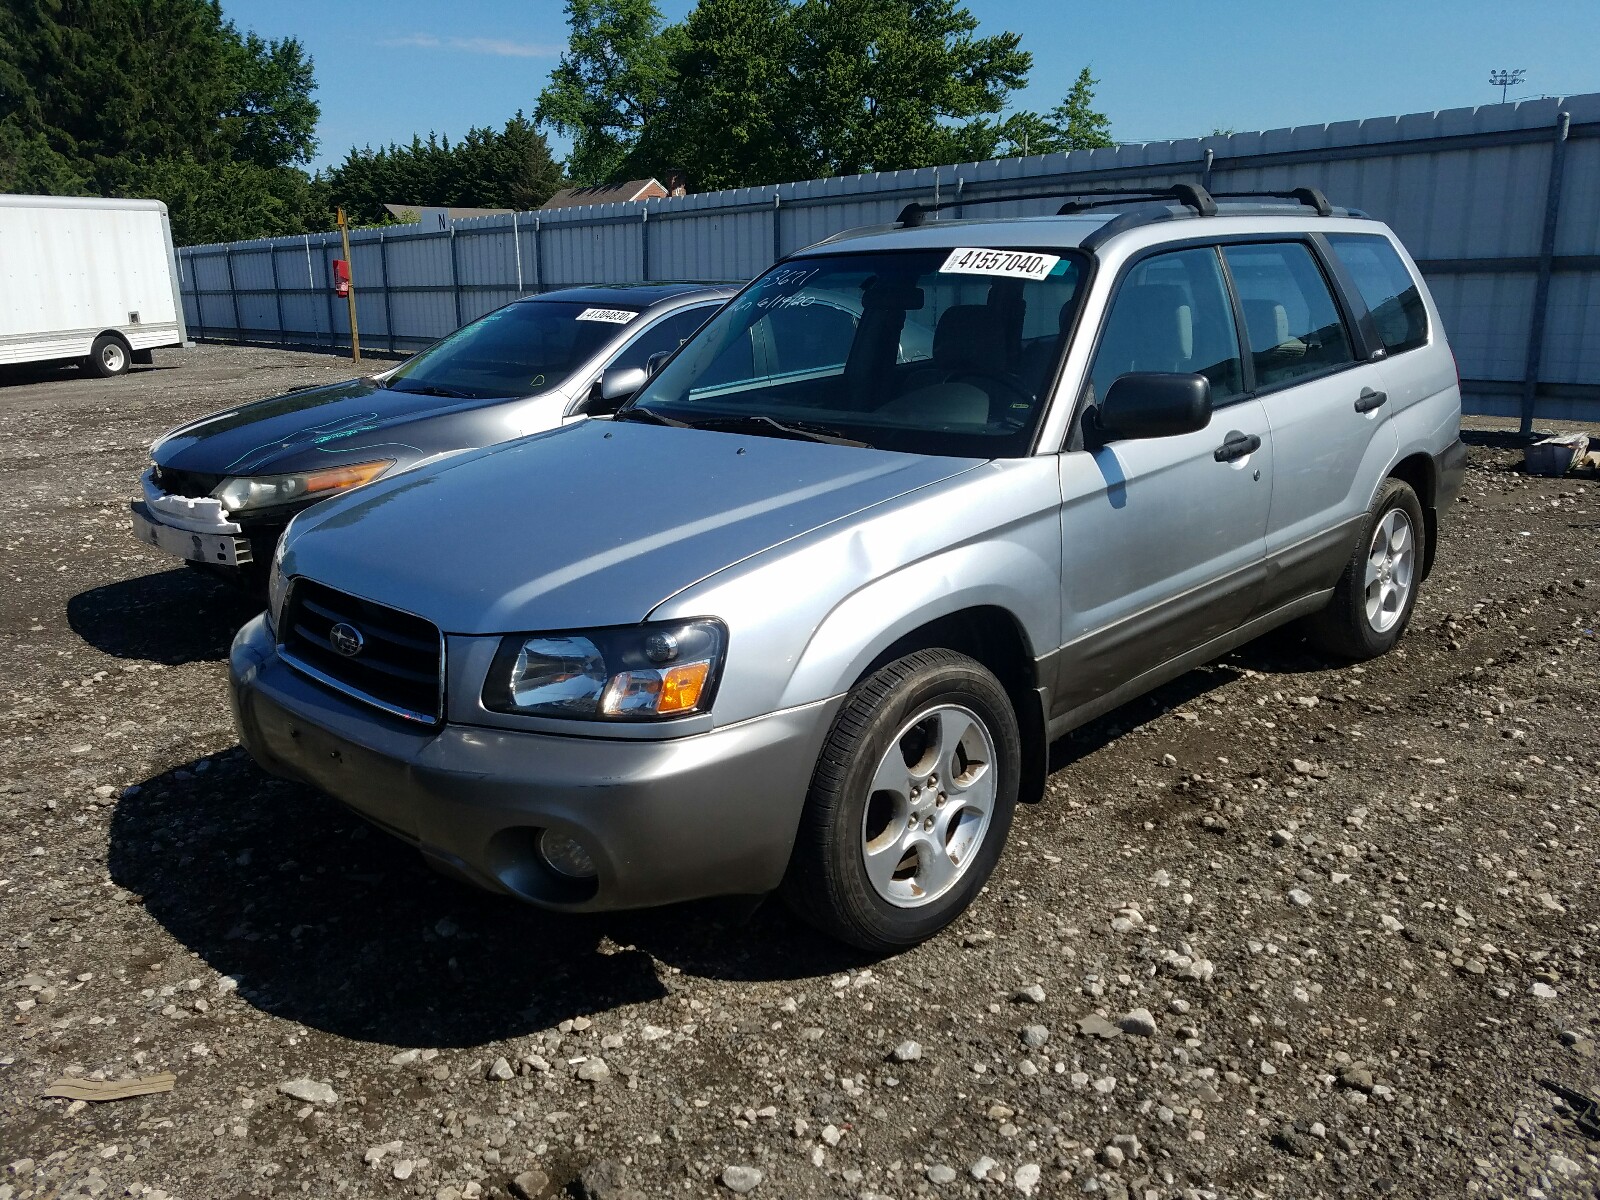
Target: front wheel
{"points": [[910, 803], [108, 356], [1373, 599]]}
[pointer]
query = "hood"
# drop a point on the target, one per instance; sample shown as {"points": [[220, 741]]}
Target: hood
{"points": [[297, 431], [588, 525]]}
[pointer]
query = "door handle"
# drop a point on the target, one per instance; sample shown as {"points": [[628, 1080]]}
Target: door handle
{"points": [[1369, 400], [1237, 446]]}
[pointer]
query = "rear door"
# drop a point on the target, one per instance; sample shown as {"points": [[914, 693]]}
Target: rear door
{"points": [[1162, 538], [1326, 405]]}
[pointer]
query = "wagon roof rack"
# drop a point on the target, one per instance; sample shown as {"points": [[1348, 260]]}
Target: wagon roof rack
{"points": [[1190, 195]]}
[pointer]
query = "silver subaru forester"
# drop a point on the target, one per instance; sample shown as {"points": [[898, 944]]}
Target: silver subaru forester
{"points": [[807, 612]]}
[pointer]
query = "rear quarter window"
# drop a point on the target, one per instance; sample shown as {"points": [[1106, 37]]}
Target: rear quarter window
{"points": [[1387, 288]]}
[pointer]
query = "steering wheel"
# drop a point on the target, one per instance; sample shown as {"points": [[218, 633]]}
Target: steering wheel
{"points": [[1007, 381]]}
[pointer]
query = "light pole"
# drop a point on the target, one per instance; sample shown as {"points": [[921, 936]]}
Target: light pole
{"points": [[1505, 80]]}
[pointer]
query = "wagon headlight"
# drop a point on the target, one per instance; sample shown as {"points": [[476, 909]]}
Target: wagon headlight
{"points": [[267, 491], [638, 673]]}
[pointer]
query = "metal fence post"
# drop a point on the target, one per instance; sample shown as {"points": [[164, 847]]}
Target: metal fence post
{"points": [[455, 274], [1205, 175], [199, 298], [777, 226], [233, 295], [277, 292], [383, 270], [1547, 253], [516, 250], [538, 258], [327, 277], [644, 245]]}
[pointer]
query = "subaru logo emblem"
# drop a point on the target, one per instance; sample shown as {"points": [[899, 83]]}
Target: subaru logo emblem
{"points": [[346, 639]]}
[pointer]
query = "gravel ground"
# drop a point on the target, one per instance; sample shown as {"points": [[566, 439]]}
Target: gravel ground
{"points": [[1282, 929]]}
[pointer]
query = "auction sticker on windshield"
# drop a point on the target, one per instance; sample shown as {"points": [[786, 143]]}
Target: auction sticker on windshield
{"points": [[612, 316], [1012, 264]]}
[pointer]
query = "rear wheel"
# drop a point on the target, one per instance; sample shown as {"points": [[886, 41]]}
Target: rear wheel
{"points": [[1375, 596], [109, 356], [910, 803]]}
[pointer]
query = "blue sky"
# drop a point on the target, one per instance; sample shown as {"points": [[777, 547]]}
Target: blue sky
{"points": [[1167, 68]]}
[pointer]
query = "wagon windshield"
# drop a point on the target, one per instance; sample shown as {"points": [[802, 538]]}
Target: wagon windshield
{"points": [[932, 351], [517, 350]]}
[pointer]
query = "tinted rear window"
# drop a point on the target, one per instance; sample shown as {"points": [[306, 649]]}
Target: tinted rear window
{"points": [[1391, 295]]}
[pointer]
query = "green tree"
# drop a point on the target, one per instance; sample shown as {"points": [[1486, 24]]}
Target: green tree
{"points": [[126, 97], [506, 168], [608, 84], [1077, 124], [760, 91]]}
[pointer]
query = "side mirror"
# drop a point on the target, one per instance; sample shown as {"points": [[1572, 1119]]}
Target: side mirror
{"points": [[1153, 404], [653, 363], [616, 385]]}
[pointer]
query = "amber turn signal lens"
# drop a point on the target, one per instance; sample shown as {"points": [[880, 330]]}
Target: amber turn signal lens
{"points": [[345, 477], [681, 687]]}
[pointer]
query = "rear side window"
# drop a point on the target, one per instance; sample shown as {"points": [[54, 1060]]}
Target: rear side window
{"points": [[1389, 291], [1171, 313], [1294, 326]]}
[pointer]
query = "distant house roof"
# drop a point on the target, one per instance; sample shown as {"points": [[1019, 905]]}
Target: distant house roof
{"points": [[413, 212], [609, 193]]}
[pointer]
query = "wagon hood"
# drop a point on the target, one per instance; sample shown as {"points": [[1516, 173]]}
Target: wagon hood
{"points": [[297, 431], [588, 525]]}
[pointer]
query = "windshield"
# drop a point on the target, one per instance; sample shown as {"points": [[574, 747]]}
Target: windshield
{"points": [[525, 347], [934, 351]]}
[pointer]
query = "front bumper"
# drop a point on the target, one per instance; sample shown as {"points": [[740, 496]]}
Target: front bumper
{"points": [[708, 814]]}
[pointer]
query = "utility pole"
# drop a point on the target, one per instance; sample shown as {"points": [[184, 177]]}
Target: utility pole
{"points": [[350, 293], [1506, 80]]}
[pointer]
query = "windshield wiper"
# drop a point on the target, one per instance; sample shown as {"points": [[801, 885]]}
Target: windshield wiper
{"points": [[760, 423], [650, 415], [431, 390]]}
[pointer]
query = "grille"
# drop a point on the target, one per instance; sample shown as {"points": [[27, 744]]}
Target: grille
{"points": [[193, 484], [398, 666]]}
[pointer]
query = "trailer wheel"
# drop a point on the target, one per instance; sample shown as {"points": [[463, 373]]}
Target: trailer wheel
{"points": [[109, 356]]}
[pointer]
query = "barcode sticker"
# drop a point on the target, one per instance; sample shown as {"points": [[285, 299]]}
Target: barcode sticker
{"points": [[612, 316], [1011, 264]]}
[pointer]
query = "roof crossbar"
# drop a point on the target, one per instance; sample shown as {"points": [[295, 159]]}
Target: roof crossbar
{"points": [[1309, 196], [1188, 194]]}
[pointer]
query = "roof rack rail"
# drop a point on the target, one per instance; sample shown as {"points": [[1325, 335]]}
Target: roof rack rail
{"points": [[1190, 195]]}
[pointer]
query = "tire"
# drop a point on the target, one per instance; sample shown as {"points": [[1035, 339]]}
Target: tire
{"points": [[1374, 598], [108, 356], [924, 707]]}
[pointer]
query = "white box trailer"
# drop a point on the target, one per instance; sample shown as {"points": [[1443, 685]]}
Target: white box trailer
{"points": [[87, 279]]}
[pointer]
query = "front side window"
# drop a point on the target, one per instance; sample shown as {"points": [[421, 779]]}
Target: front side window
{"points": [[665, 336], [1172, 313], [527, 346], [1386, 287], [933, 351], [1294, 326]]}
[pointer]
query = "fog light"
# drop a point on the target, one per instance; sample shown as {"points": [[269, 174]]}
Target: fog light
{"points": [[566, 856]]}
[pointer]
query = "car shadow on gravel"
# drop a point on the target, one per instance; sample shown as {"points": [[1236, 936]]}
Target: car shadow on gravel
{"points": [[174, 617], [1279, 652], [332, 924]]}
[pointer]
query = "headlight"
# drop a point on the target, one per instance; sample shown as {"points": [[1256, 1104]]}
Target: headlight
{"points": [[266, 491], [639, 673]]}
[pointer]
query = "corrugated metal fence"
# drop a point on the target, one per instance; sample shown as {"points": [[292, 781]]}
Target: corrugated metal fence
{"points": [[1500, 204]]}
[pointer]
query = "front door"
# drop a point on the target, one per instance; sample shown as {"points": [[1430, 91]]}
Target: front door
{"points": [[1163, 538]]}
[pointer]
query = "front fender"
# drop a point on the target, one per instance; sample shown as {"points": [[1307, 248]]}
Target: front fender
{"points": [[808, 617]]}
